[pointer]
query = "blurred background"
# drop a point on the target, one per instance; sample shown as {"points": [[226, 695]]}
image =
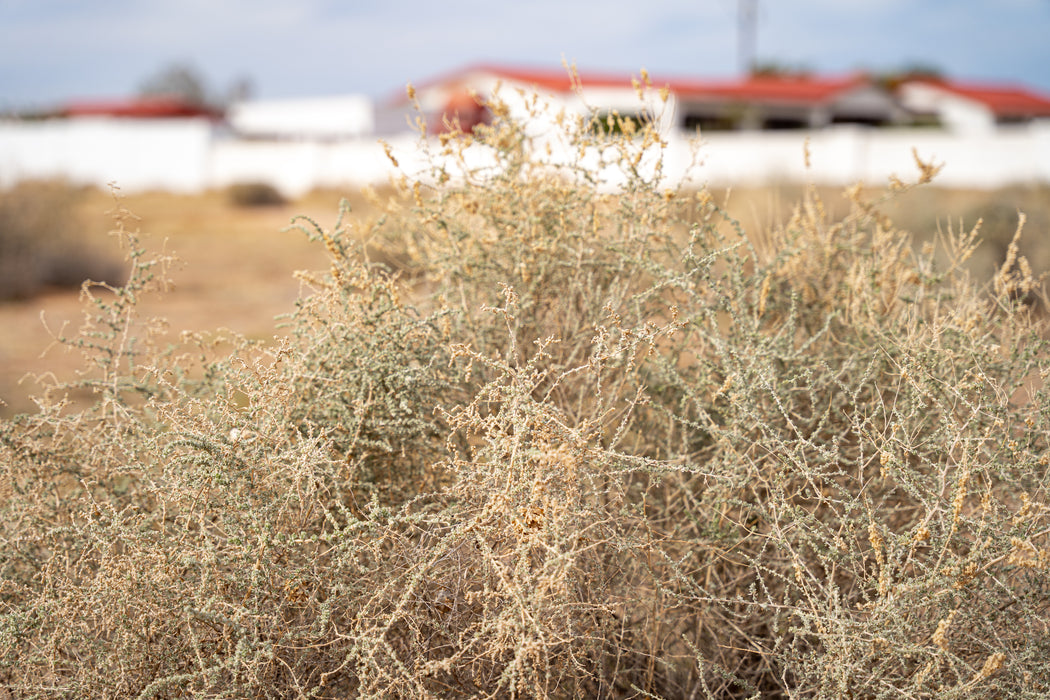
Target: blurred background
{"points": [[218, 122]]}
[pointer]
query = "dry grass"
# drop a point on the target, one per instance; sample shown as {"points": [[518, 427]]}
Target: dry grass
{"points": [[584, 445]]}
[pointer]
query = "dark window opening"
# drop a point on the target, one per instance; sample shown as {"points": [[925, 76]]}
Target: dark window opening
{"points": [[857, 119], [782, 123], [708, 122]]}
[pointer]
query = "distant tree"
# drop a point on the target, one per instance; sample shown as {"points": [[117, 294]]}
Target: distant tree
{"points": [[775, 69], [177, 80], [919, 69], [910, 71]]}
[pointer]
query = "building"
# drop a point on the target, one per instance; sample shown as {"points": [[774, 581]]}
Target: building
{"points": [[137, 143], [774, 102], [972, 107], [754, 131], [754, 103]]}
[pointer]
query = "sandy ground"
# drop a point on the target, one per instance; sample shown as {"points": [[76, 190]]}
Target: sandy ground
{"points": [[236, 272]]}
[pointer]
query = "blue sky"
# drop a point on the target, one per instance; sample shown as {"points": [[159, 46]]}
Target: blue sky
{"points": [[53, 50]]}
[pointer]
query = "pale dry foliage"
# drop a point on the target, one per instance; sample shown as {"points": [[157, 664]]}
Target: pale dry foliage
{"points": [[579, 444]]}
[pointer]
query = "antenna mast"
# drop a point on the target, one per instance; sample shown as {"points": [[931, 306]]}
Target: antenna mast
{"points": [[747, 11]]}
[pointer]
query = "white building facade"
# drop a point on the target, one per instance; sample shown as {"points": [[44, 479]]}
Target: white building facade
{"points": [[750, 133]]}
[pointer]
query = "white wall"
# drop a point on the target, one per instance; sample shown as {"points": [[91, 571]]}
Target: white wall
{"points": [[136, 154], [296, 167], [846, 154], [339, 117], [192, 155]]}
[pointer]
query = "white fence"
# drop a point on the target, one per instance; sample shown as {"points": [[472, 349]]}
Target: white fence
{"points": [[190, 155], [135, 154], [846, 154]]}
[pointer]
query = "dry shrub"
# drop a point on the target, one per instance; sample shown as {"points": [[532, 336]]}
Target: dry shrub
{"points": [[588, 445], [255, 194], [41, 245]]}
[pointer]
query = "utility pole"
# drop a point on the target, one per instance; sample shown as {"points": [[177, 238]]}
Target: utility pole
{"points": [[747, 11]]}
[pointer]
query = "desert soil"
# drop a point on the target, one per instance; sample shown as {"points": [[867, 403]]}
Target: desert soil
{"points": [[235, 271]]}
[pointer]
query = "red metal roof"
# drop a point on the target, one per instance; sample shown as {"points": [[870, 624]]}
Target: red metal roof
{"points": [[558, 80], [801, 89], [1003, 100], [797, 89], [142, 108]]}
